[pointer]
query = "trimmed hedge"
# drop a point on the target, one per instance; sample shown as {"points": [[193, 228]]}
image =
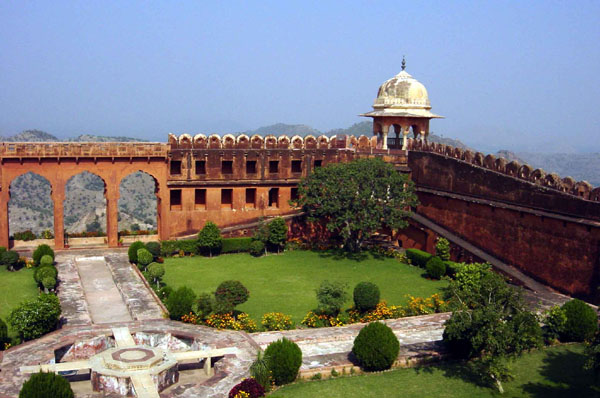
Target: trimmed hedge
{"points": [[284, 358], [170, 247], [376, 347], [236, 245], [366, 296], [418, 257], [435, 268], [41, 251], [132, 252]]}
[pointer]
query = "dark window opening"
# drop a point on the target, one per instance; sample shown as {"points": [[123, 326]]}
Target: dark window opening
{"points": [[251, 167], [294, 194], [296, 166], [175, 167], [200, 199], [227, 167], [226, 198], [200, 167], [318, 163], [274, 197], [251, 197], [273, 166], [175, 197]]}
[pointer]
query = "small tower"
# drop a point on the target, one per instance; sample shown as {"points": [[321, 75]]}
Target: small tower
{"points": [[402, 102]]}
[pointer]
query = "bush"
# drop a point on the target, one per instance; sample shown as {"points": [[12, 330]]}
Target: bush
{"points": [[376, 347], [278, 231], [49, 283], [260, 370], [284, 358], [453, 268], [582, 321], [144, 257], [156, 271], [249, 386], [209, 239], [45, 385], [24, 235], [231, 293], [2, 251], [168, 248], [188, 246], [236, 245], [36, 317], [40, 252], [132, 252], [366, 296], [154, 248], [46, 261], [257, 248], [418, 257], [277, 321], [3, 334], [180, 302], [442, 249], [331, 297], [10, 258], [44, 272], [435, 268], [554, 320], [205, 305]]}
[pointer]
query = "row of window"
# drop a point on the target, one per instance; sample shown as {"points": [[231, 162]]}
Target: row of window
{"points": [[227, 166], [227, 198]]}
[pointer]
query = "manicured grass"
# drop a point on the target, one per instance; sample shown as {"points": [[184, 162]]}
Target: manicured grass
{"points": [[286, 282], [15, 287], [554, 372]]}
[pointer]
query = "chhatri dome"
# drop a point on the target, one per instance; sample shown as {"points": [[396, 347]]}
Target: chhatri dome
{"points": [[402, 102]]}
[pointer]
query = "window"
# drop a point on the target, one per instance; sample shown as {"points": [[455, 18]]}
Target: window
{"points": [[274, 197], [273, 166], [200, 167], [175, 196], [175, 167], [296, 166], [318, 163], [200, 199], [227, 167], [251, 167], [294, 194], [226, 198], [250, 198]]}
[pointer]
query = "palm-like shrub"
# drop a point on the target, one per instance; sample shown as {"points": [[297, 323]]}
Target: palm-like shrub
{"points": [[46, 385], [376, 347], [284, 358], [366, 296]]}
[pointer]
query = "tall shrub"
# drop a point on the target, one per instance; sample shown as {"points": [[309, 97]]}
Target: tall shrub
{"points": [[442, 249], [376, 347], [284, 358], [180, 302], [331, 297], [209, 238], [46, 385], [132, 252], [278, 232]]}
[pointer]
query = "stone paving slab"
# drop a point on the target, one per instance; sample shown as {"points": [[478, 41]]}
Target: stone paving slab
{"points": [[70, 292]]}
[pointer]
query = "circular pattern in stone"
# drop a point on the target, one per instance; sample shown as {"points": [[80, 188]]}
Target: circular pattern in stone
{"points": [[129, 355]]}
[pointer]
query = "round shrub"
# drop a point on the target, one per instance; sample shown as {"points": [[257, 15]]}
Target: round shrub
{"points": [[435, 268], [232, 292], [133, 251], [144, 257], [44, 385], [250, 386], [49, 283], [40, 252], [156, 271], [257, 248], [366, 296], [180, 302], [154, 248], [46, 260], [3, 334], [284, 358], [582, 321], [36, 317], [10, 258], [44, 272], [376, 347]]}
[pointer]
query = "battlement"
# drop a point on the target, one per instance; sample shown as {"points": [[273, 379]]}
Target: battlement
{"points": [[82, 149]]}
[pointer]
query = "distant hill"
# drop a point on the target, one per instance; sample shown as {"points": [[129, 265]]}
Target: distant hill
{"points": [[285, 129], [31, 136], [100, 138], [580, 166]]}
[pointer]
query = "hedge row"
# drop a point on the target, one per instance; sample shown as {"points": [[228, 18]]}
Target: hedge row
{"points": [[236, 245], [190, 246], [418, 257]]}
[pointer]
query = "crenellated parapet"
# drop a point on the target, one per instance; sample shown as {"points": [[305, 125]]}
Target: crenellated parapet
{"points": [[581, 189], [82, 149]]}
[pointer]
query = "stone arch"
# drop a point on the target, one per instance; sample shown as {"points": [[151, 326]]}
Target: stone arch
{"points": [[552, 180], [185, 141], [173, 140], [214, 141], [310, 142], [138, 202], [30, 205], [200, 141], [525, 171], [364, 143], [489, 162], [228, 141], [568, 183], [283, 141], [90, 218], [512, 169], [582, 189], [257, 142], [468, 156], [458, 153], [323, 142], [595, 194], [243, 141], [270, 142], [537, 176], [500, 165], [353, 141], [449, 150], [297, 142], [478, 159]]}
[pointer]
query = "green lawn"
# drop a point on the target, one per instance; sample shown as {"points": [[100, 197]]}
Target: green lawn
{"points": [[286, 282], [16, 287], [554, 372]]}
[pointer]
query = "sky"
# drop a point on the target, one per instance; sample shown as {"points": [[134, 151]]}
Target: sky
{"points": [[511, 75]]}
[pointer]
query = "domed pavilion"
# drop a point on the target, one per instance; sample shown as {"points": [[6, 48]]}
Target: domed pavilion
{"points": [[402, 103]]}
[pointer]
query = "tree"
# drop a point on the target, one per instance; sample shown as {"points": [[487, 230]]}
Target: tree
{"points": [[209, 238], [229, 294], [355, 199], [489, 325], [278, 232], [261, 234], [331, 297]]}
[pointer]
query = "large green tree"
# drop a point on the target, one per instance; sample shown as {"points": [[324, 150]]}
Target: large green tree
{"points": [[355, 199], [209, 238]]}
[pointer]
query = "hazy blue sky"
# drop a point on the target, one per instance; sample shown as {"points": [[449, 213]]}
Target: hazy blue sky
{"points": [[519, 75]]}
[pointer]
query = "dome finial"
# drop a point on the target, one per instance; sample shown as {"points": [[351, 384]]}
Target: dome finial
{"points": [[403, 63]]}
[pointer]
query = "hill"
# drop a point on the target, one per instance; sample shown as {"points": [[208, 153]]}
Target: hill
{"points": [[285, 129]]}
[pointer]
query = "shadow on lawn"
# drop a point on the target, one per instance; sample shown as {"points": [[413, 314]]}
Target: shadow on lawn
{"points": [[564, 377], [341, 254]]}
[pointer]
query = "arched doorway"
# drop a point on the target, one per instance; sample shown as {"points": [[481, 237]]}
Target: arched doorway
{"points": [[30, 208], [138, 204], [85, 209]]}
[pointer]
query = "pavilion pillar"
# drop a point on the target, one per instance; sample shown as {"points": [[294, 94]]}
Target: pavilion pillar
{"points": [[384, 132], [422, 136], [4, 231], [58, 198], [112, 215], [405, 132]]}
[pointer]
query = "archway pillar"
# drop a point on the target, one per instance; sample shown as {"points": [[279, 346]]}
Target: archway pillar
{"points": [[112, 215], [405, 133], [4, 231], [58, 198], [384, 131]]}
